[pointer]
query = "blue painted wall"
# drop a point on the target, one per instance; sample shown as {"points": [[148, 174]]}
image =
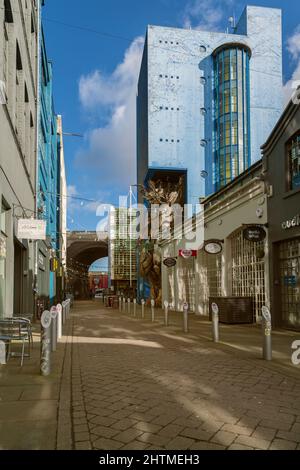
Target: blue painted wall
{"points": [[48, 160], [171, 94]]}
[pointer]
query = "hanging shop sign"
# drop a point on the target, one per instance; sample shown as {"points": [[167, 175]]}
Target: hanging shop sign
{"points": [[213, 247], [2, 247], [170, 262], [294, 222], [186, 254], [31, 229], [254, 233]]}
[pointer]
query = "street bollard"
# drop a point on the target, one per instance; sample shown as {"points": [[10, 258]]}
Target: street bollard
{"points": [[120, 304], [2, 353], [129, 306], [215, 322], [267, 334], [45, 365], [53, 313], [143, 309], [59, 321], [185, 317], [166, 304], [152, 310], [124, 305], [134, 308], [64, 312]]}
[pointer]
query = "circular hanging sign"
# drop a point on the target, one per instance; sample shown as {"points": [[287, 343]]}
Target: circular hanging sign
{"points": [[213, 247], [170, 262], [188, 254], [254, 233]]}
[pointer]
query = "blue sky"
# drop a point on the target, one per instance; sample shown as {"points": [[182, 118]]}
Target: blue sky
{"points": [[95, 82]]}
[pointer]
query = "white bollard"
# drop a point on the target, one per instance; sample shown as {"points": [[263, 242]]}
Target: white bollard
{"points": [[120, 304], [53, 313], [267, 333], [124, 305], [215, 322], [129, 306], [166, 304], [134, 307], [2, 353], [45, 365], [152, 310], [143, 308], [185, 317], [59, 321]]}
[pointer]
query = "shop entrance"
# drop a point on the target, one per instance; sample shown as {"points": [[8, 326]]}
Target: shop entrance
{"points": [[18, 278], [289, 255]]}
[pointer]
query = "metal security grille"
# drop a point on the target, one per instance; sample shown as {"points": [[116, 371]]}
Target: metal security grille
{"points": [[210, 279], [248, 271], [186, 282], [289, 253]]}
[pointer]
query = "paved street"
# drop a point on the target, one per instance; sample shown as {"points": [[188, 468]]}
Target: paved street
{"points": [[122, 383], [135, 386]]}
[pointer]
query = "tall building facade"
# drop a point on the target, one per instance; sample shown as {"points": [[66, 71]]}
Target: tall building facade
{"points": [[208, 100], [19, 27], [122, 250], [48, 181]]}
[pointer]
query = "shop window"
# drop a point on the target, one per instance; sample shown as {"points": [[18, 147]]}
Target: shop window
{"points": [[293, 154]]}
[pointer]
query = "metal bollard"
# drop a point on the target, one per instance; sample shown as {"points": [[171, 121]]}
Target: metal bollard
{"points": [[152, 310], [185, 318], [59, 321], [129, 306], [267, 334], [64, 313], [124, 305], [134, 307], [215, 322], [45, 365], [120, 304], [166, 304], [2, 353], [53, 313], [143, 309]]}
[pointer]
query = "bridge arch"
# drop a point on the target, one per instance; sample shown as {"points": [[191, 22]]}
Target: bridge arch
{"points": [[83, 249]]}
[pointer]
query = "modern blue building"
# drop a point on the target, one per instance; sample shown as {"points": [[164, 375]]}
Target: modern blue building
{"points": [[48, 180], [207, 101]]}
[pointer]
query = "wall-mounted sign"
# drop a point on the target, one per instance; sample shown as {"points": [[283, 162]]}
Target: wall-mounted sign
{"points": [[186, 254], [254, 233], [170, 262], [213, 247], [294, 222], [31, 229], [2, 247]]}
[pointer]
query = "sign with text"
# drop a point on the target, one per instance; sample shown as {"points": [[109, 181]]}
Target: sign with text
{"points": [[31, 229], [254, 233], [170, 262], [186, 254], [213, 247]]}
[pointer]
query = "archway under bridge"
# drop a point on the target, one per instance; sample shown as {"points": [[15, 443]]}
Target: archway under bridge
{"points": [[83, 249]]}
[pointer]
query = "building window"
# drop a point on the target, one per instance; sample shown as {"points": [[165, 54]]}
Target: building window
{"points": [[293, 152], [232, 113], [8, 14]]}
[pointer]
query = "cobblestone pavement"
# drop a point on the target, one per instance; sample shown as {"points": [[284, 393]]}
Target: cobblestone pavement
{"points": [[137, 385]]}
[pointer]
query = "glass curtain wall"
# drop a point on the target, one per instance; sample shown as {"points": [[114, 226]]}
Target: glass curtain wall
{"points": [[232, 114]]}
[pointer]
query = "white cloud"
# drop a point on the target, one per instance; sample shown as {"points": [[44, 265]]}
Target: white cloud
{"points": [[111, 150], [207, 14], [293, 46]]}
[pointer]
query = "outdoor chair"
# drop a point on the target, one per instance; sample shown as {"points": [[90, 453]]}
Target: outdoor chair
{"points": [[15, 331]]}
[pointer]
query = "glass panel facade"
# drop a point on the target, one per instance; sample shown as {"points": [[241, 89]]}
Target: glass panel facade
{"points": [[232, 111], [294, 161]]}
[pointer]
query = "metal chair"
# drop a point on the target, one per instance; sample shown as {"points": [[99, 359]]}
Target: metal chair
{"points": [[12, 330]]}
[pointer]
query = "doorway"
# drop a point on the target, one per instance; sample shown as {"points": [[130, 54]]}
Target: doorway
{"points": [[18, 278]]}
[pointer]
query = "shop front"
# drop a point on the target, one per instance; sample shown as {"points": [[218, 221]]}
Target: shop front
{"points": [[281, 155], [231, 261]]}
